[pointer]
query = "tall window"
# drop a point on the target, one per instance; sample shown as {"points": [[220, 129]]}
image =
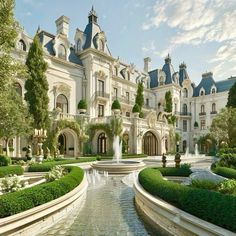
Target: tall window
{"points": [[115, 91], [102, 143], [213, 107], [127, 96], [185, 127], [175, 107], [213, 90], [62, 103], [161, 81], [147, 102], [101, 87], [128, 75], [101, 45], [202, 93], [22, 45], [79, 45], [100, 110], [185, 93], [116, 71], [203, 124], [62, 52], [202, 108], [185, 109]]}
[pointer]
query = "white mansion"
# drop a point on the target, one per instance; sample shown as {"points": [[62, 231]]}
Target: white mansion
{"points": [[86, 69]]}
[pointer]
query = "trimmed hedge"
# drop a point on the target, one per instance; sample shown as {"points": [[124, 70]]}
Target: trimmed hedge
{"points": [[225, 172], [172, 171], [5, 160], [211, 206], [16, 202], [11, 170], [47, 166]]}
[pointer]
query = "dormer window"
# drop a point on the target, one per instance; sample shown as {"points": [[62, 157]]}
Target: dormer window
{"points": [[101, 45], [22, 45], [202, 93], [185, 93], [79, 45], [62, 52], [213, 90], [161, 81]]}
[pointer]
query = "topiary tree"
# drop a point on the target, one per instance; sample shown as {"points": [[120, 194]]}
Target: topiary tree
{"points": [[168, 102], [136, 108], [139, 97], [232, 97], [37, 86], [195, 124], [115, 105], [82, 104]]}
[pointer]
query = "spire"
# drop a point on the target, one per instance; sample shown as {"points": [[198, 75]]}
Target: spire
{"points": [[92, 16], [168, 59]]}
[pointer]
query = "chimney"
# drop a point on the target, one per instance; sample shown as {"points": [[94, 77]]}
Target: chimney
{"points": [[62, 24], [146, 63]]}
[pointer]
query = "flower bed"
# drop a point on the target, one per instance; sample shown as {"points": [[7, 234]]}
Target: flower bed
{"points": [[211, 206], [16, 202], [46, 166], [11, 170]]}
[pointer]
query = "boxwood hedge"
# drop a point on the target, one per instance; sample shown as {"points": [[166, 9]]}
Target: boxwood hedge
{"points": [[211, 206], [16, 202], [225, 172], [11, 170], [172, 171], [46, 166]]}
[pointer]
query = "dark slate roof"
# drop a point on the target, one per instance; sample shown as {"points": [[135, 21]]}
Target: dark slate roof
{"points": [[169, 70], [153, 78], [206, 83], [225, 85], [182, 73], [74, 58]]}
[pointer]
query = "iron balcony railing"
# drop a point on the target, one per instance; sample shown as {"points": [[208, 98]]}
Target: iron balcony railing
{"points": [[101, 94], [183, 113]]}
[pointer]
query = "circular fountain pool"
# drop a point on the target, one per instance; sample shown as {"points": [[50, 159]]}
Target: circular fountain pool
{"points": [[121, 167]]}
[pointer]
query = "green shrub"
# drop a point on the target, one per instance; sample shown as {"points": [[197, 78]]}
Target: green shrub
{"points": [[204, 184], [184, 170], [5, 160], [46, 166], [227, 160], [136, 108], [225, 172], [115, 105], [228, 186], [82, 104], [16, 202], [211, 206], [11, 170]]}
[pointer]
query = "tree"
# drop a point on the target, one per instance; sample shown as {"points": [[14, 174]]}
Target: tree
{"points": [[14, 117], [223, 127], [232, 97], [37, 85], [139, 97]]}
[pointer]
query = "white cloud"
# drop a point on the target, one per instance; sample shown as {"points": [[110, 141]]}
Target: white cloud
{"points": [[149, 47]]}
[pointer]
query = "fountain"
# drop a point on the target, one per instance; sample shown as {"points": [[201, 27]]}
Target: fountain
{"points": [[117, 166], [196, 150]]}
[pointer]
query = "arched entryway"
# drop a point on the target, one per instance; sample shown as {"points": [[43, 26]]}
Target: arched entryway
{"points": [[150, 144], [102, 143], [67, 143]]}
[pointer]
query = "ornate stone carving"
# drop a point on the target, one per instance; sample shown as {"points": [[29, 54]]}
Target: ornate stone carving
{"points": [[61, 88], [152, 119]]}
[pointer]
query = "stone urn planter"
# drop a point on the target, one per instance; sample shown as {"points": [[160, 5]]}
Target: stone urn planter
{"points": [[177, 160]]}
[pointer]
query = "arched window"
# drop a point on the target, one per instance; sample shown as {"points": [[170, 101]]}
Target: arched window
{"points": [[161, 82], [213, 107], [102, 143], [202, 108], [213, 90], [62, 103], [150, 144], [202, 93], [116, 71], [62, 52], [18, 89], [185, 93], [22, 45], [128, 75], [79, 45], [185, 109], [101, 45]]}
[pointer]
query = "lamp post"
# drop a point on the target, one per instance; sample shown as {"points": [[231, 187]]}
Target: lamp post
{"points": [[177, 146], [40, 135]]}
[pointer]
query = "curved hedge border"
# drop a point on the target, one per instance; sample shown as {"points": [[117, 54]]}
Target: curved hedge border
{"points": [[46, 166], [225, 172], [16, 202], [11, 170], [172, 171], [211, 206]]}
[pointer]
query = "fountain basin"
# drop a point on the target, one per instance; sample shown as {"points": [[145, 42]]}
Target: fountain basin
{"points": [[121, 167]]}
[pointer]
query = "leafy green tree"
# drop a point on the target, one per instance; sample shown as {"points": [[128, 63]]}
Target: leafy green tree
{"points": [[139, 97], [232, 97], [37, 86], [223, 127], [14, 116], [168, 102]]}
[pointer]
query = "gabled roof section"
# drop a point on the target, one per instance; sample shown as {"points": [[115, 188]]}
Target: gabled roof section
{"points": [[183, 74], [168, 69], [206, 83], [153, 78]]}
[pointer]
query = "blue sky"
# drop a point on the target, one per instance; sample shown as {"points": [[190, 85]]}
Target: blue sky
{"points": [[199, 32]]}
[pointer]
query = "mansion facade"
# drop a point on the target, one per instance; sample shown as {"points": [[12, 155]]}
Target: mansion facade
{"points": [[86, 69]]}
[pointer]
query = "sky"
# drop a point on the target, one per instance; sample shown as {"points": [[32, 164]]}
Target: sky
{"points": [[201, 33]]}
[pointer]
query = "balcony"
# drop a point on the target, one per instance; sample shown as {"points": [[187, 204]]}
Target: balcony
{"points": [[123, 100], [202, 113], [101, 94], [183, 113], [213, 112]]}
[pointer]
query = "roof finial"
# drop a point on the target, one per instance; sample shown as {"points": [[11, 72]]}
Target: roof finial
{"points": [[92, 16], [38, 30]]}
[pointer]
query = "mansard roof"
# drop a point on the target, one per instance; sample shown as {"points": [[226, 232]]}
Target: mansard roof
{"points": [[153, 78], [225, 85], [183, 74], [168, 69]]}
